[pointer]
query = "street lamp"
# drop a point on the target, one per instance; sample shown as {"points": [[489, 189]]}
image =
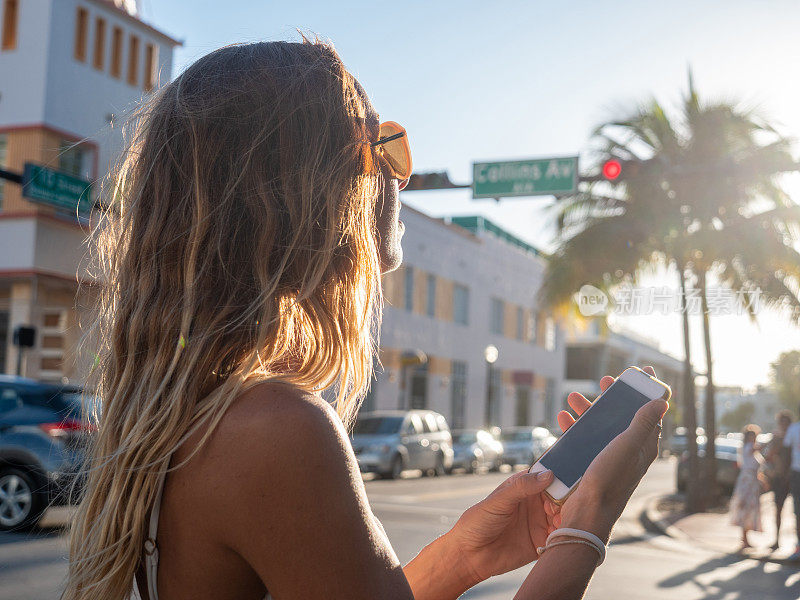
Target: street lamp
{"points": [[490, 354]]}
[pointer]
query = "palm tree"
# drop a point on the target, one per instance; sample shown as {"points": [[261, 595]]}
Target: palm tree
{"points": [[698, 194]]}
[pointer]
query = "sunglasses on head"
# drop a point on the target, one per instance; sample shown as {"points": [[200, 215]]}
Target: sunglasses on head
{"points": [[392, 145]]}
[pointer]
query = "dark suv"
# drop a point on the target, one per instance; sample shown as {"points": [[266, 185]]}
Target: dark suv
{"points": [[41, 440]]}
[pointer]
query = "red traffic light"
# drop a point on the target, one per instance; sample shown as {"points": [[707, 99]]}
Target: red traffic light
{"points": [[612, 169]]}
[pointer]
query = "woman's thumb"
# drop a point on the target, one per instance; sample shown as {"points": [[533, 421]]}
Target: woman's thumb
{"points": [[522, 485], [646, 420]]}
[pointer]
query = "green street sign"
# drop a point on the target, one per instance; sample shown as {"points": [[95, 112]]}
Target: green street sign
{"points": [[535, 177], [55, 188]]}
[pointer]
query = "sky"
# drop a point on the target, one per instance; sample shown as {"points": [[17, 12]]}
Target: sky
{"points": [[505, 80]]}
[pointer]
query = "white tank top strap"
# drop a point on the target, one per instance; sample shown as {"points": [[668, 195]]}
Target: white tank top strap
{"points": [[150, 545], [151, 550]]}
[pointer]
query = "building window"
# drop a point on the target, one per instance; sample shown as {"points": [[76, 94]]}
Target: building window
{"points": [[550, 409], [583, 362], [532, 324], [496, 317], [10, 18], [99, 55], [418, 386], [458, 394], [494, 391], [3, 145], [71, 159], [116, 52], [520, 323], [461, 304], [408, 289], [549, 334], [430, 299], [523, 408], [81, 34], [150, 62], [133, 60]]}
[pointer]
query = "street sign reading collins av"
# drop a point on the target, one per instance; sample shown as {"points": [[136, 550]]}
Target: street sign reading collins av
{"points": [[56, 189], [535, 177]]}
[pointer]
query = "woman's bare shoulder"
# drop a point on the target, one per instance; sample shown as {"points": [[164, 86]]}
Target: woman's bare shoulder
{"points": [[274, 404], [273, 424], [280, 486]]}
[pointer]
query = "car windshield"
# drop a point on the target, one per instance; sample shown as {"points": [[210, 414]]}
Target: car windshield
{"points": [[378, 425], [467, 437]]}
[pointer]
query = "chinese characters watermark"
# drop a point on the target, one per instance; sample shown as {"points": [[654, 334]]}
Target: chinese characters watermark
{"points": [[630, 300]]}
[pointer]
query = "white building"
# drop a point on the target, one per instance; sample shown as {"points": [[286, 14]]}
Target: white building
{"points": [[68, 69], [465, 285], [596, 350]]}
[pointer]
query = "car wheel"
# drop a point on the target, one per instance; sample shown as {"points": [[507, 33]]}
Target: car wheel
{"points": [[438, 469], [22, 502], [398, 466]]}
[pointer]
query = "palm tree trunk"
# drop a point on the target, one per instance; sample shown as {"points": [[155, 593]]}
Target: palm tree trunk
{"points": [[710, 460], [694, 499]]}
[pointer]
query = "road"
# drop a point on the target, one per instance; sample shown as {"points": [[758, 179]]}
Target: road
{"points": [[639, 564], [415, 510]]}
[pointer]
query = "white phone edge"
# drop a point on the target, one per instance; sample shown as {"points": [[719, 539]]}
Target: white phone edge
{"points": [[638, 380]]}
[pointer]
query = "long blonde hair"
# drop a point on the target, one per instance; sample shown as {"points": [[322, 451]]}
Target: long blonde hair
{"points": [[238, 245]]}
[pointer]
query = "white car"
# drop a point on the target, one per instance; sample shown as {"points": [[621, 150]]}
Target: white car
{"points": [[524, 445]]}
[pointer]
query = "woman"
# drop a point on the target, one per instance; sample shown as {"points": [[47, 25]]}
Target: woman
{"points": [[247, 231], [746, 501]]}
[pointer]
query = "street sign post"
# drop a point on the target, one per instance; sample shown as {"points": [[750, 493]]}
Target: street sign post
{"points": [[536, 177], [55, 188]]}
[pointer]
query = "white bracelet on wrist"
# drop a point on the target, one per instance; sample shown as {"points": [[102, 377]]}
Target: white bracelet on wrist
{"points": [[578, 536]]}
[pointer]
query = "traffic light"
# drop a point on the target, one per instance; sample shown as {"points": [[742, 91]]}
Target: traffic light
{"points": [[612, 169]]}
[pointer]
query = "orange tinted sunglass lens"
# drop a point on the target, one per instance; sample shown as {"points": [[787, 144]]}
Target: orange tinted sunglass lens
{"points": [[396, 152]]}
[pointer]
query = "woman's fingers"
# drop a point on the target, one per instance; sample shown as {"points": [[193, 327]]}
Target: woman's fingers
{"points": [[565, 420], [578, 403], [605, 382]]}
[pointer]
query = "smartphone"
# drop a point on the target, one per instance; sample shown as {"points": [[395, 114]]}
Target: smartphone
{"points": [[608, 416]]}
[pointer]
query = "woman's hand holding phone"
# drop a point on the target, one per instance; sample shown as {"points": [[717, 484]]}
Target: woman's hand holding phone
{"points": [[609, 482], [503, 531]]}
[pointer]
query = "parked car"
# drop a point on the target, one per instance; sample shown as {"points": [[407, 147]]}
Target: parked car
{"points": [[41, 434], [678, 442], [727, 451], [523, 445], [389, 442], [475, 449]]}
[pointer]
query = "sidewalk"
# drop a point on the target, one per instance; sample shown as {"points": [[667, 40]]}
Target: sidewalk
{"points": [[713, 531]]}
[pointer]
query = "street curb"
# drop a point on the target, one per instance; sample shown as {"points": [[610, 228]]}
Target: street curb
{"points": [[657, 521], [661, 522]]}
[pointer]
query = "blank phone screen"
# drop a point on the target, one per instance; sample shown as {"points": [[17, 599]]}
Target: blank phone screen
{"points": [[610, 415]]}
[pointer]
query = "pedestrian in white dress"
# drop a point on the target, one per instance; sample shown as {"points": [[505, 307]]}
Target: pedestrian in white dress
{"points": [[746, 501]]}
